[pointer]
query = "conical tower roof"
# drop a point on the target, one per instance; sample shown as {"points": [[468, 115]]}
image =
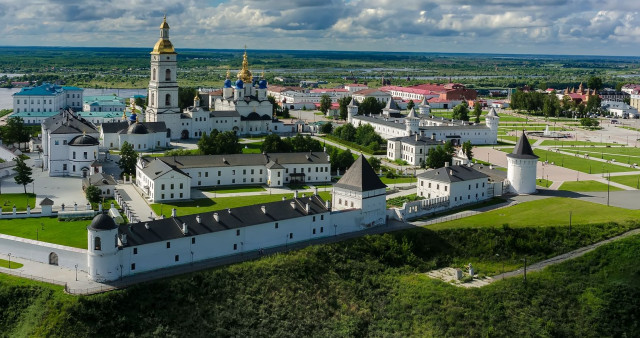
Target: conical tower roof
{"points": [[492, 113], [523, 149], [360, 177], [391, 104], [412, 114], [354, 103], [424, 101]]}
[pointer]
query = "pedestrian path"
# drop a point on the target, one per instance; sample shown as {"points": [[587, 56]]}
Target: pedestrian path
{"points": [[138, 205]]}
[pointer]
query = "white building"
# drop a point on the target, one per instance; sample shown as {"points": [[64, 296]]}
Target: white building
{"points": [[47, 98], [620, 109], [243, 108], [412, 149], [120, 251], [461, 184], [103, 103], [143, 136], [522, 166], [70, 146], [273, 170], [381, 96], [106, 184]]}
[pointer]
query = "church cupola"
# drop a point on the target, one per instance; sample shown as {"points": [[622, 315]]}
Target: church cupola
{"points": [[164, 46], [245, 74]]}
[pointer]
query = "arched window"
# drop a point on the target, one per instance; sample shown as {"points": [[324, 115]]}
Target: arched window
{"points": [[108, 191], [153, 97], [167, 76], [97, 244], [153, 74], [167, 100]]}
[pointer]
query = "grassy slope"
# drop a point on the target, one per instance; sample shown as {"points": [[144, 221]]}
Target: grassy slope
{"points": [[628, 180], [372, 286], [576, 163]]}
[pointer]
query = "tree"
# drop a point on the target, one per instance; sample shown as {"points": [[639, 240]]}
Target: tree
{"points": [[128, 159], [185, 97], [14, 131], [140, 102], [342, 160], [326, 128], [551, 106], [23, 173], [274, 105], [410, 104], [285, 113], [619, 86], [325, 103], [477, 111], [461, 112], [344, 102], [274, 144], [93, 194], [346, 132], [593, 104], [594, 82], [467, 148], [370, 105], [437, 157], [375, 163]]}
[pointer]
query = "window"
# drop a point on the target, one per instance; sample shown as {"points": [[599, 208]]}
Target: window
{"points": [[322, 217], [181, 185], [180, 195], [74, 168], [219, 173], [168, 245], [162, 196], [162, 187], [153, 74], [244, 171], [177, 258], [133, 266], [193, 240], [199, 182], [171, 186], [74, 155], [167, 100], [445, 188], [276, 225], [352, 204], [85, 155], [237, 232], [429, 184], [135, 251], [171, 195], [251, 171], [321, 229], [56, 142], [233, 172], [64, 142], [167, 76], [97, 245], [235, 247], [476, 185], [422, 183], [314, 231], [206, 174], [290, 235], [314, 218]]}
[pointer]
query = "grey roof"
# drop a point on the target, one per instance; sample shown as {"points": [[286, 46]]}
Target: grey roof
{"points": [[123, 127], [171, 228], [523, 149], [412, 114], [200, 161], [493, 172], [391, 104], [46, 201], [255, 117], [354, 103], [421, 141], [274, 165], [224, 113], [68, 123], [424, 101], [99, 179], [455, 173], [113, 127], [156, 168], [103, 222], [137, 128], [360, 177], [84, 140], [492, 112]]}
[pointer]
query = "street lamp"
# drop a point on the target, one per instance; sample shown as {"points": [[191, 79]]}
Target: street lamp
{"points": [[76, 272], [9, 260]]}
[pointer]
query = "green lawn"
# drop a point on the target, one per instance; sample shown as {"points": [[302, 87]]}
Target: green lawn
{"points": [[72, 233], [562, 143], [586, 186], [228, 190], [544, 213], [628, 180], [7, 201], [543, 182], [398, 180], [398, 201], [221, 203], [252, 148], [576, 163], [14, 265]]}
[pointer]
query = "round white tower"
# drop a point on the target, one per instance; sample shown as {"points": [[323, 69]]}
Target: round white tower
{"points": [[424, 107], [352, 110], [522, 166], [102, 240]]}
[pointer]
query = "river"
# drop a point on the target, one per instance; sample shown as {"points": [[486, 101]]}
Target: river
{"points": [[6, 99]]}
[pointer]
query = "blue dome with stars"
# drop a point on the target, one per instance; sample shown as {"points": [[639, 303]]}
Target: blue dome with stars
{"points": [[239, 84], [262, 84], [227, 83], [133, 117]]}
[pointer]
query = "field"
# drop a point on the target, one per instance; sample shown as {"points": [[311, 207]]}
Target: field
{"points": [[576, 163], [221, 203], [251, 148], [47, 229], [7, 201], [587, 186], [556, 213], [397, 180], [628, 180]]}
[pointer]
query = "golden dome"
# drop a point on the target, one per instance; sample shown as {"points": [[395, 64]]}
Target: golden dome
{"points": [[163, 46], [245, 74], [164, 23]]}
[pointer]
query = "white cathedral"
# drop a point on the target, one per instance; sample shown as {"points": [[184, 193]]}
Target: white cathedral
{"points": [[243, 107]]}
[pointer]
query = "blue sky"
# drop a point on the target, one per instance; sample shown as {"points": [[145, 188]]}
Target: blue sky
{"points": [[599, 27]]}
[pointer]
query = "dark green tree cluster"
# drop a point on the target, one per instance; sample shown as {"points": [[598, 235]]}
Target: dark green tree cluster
{"points": [[325, 103], [461, 112], [467, 148], [14, 131], [128, 159], [370, 105], [219, 143], [375, 163], [595, 82], [273, 143], [344, 102], [364, 135], [185, 96], [340, 159], [93, 194], [23, 173], [529, 101], [477, 111], [326, 128], [440, 155], [410, 104], [589, 122], [551, 105]]}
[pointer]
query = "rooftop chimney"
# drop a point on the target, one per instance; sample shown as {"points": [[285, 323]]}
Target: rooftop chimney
{"points": [[229, 211], [124, 239], [306, 207], [293, 205], [185, 229], [284, 198], [174, 212], [327, 205], [216, 217], [264, 209], [446, 164], [198, 219], [295, 194]]}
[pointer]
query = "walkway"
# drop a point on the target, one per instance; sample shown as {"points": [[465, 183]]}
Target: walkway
{"points": [[141, 210]]}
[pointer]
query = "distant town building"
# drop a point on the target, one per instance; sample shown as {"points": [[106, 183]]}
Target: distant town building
{"points": [[620, 109], [35, 104], [103, 103]]}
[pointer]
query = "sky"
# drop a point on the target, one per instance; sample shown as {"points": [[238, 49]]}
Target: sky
{"points": [[585, 27]]}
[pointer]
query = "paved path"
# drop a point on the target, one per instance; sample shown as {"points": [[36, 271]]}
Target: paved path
{"points": [[141, 210]]}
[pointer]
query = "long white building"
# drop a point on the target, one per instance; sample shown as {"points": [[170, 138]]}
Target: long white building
{"points": [[171, 177], [120, 251]]}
